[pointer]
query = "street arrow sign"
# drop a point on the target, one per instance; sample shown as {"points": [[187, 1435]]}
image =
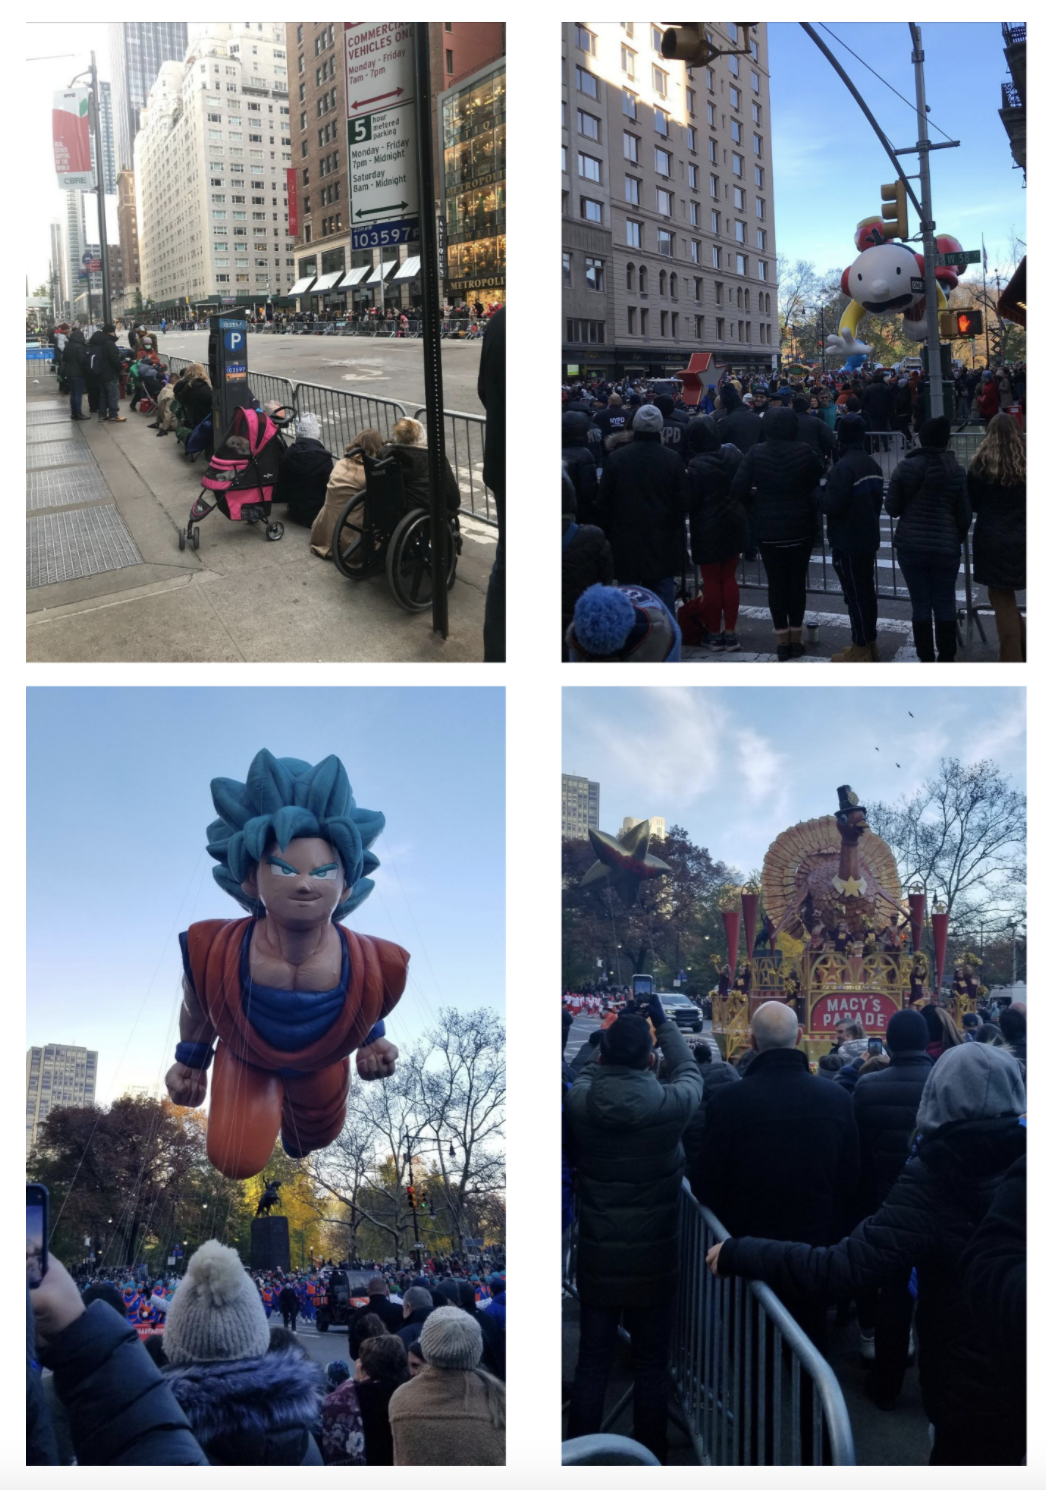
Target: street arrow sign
{"points": [[961, 259], [379, 64], [389, 207], [361, 103]]}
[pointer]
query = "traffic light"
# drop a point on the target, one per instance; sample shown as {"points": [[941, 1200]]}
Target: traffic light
{"points": [[895, 209], [946, 324], [424, 1201], [689, 44], [410, 1197], [969, 323]]}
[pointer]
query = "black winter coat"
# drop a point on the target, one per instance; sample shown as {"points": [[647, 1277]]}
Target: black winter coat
{"points": [[927, 1222], [718, 525], [642, 510], [999, 536], [373, 1398], [304, 473], [927, 493], [74, 358], [580, 465], [778, 482], [763, 1187], [195, 398], [390, 1314], [995, 1270], [877, 404], [741, 428], [253, 1412], [674, 433], [815, 433], [120, 1407], [624, 1130], [587, 560], [853, 500], [413, 461], [108, 356], [716, 1076], [885, 1105]]}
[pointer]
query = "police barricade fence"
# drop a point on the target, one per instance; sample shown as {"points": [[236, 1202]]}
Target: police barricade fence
{"points": [[344, 415], [465, 438], [752, 1387]]}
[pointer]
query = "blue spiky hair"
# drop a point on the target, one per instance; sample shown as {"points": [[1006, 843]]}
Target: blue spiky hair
{"points": [[285, 799]]}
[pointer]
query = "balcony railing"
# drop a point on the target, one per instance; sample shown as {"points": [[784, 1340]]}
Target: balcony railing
{"points": [[1011, 99], [1016, 33]]}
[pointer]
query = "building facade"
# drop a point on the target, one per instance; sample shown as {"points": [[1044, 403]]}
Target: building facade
{"points": [[137, 51], [57, 1076], [74, 242], [657, 825], [472, 140], [127, 227], [210, 172], [58, 305], [331, 276], [580, 806], [105, 112], [667, 203]]}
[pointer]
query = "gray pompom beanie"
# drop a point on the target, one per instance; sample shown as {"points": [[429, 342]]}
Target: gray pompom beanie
{"points": [[216, 1313], [452, 1339]]}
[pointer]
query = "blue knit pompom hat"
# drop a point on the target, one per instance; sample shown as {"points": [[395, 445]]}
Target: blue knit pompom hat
{"points": [[603, 618]]}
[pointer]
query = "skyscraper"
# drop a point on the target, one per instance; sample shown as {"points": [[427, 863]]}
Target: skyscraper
{"points": [[105, 109], [657, 825], [56, 1076], [137, 51], [74, 241], [580, 806], [57, 258], [127, 224]]}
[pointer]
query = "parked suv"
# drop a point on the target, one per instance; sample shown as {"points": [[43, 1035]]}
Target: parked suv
{"points": [[685, 1013]]}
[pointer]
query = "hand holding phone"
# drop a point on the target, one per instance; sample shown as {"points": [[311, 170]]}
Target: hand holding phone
{"points": [[56, 1303], [36, 1229], [875, 1045]]}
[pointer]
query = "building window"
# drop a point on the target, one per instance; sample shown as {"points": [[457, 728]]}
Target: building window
{"points": [[630, 274], [713, 185], [591, 211], [633, 233], [760, 207], [710, 110], [735, 132], [760, 238], [742, 264], [632, 147], [586, 332], [644, 321], [584, 39], [695, 251], [735, 66], [566, 269], [735, 97], [717, 257], [739, 198], [587, 125], [632, 190], [450, 62], [594, 273], [699, 286], [675, 323], [757, 144], [664, 323], [692, 177], [663, 200], [709, 80], [756, 112], [586, 82], [628, 62], [719, 325], [589, 167], [712, 151], [715, 221], [755, 82], [691, 138], [761, 268], [739, 230], [662, 161], [737, 163], [660, 81], [664, 242], [695, 214], [631, 320], [628, 104]]}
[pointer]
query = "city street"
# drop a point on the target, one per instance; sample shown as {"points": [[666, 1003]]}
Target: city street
{"points": [[331, 1346], [384, 367]]}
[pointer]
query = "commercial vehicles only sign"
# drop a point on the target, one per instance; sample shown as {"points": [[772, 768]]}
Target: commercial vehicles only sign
{"points": [[384, 195]]}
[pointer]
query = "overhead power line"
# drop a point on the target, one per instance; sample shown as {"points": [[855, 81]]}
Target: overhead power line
{"points": [[882, 80]]}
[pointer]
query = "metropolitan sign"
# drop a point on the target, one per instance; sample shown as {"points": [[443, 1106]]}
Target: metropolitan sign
{"points": [[71, 129], [384, 194]]}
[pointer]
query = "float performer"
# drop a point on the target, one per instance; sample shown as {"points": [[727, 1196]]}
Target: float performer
{"points": [[286, 992]]}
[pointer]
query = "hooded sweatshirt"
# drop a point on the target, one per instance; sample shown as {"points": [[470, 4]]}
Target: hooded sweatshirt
{"points": [[777, 482]]}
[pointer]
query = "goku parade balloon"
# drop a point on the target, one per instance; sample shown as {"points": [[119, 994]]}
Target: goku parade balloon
{"points": [[888, 276], [282, 997]]}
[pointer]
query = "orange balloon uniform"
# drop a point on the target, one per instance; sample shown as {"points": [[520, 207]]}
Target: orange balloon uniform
{"points": [[258, 1089]]}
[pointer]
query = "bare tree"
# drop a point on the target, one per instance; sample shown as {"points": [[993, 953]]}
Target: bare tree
{"points": [[963, 836], [795, 281]]}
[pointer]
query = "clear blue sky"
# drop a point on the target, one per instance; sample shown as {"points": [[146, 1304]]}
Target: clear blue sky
{"points": [[736, 766], [828, 164], [118, 806]]}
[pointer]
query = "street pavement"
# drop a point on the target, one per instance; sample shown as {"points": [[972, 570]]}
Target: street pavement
{"points": [[586, 1024], [108, 583], [384, 367], [331, 1346]]}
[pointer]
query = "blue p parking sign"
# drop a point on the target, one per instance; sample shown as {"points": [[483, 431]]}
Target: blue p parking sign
{"points": [[234, 341]]}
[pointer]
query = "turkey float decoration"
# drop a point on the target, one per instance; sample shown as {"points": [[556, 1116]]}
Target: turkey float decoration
{"points": [[888, 276]]}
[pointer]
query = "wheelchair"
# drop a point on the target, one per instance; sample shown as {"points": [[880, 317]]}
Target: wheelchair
{"points": [[379, 530]]}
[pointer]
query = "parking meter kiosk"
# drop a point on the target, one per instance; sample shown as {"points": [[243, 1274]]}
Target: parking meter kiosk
{"points": [[227, 364]]}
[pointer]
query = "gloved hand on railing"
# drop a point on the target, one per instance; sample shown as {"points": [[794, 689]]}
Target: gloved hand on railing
{"points": [[712, 1258]]}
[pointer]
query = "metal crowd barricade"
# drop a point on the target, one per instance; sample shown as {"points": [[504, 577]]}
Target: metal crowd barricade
{"points": [[267, 388], [344, 415], [605, 1448], [753, 1388], [465, 437]]}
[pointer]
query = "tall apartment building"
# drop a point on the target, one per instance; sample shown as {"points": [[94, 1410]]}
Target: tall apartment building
{"points": [[657, 825], [330, 274], [580, 806], [210, 171], [137, 51], [127, 226], [56, 1076], [667, 202], [105, 111], [74, 242], [57, 257]]}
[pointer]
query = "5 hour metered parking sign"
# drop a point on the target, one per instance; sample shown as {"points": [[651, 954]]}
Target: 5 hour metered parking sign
{"points": [[384, 197]]}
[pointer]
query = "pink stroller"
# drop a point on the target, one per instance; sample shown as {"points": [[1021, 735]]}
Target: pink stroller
{"points": [[242, 473]]}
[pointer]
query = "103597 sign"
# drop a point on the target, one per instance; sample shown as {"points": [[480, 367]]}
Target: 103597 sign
{"points": [[386, 234]]}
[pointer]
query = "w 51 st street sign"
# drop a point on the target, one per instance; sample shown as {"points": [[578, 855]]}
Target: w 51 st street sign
{"points": [[384, 196]]}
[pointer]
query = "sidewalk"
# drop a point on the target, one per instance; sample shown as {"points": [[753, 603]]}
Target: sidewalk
{"points": [[107, 583]]}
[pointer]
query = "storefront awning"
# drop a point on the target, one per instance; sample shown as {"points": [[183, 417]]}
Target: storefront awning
{"points": [[409, 269], [327, 282], [382, 271], [301, 285], [1012, 300], [355, 275]]}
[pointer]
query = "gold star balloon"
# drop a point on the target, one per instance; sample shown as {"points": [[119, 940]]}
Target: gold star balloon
{"points": [[623, 863]]}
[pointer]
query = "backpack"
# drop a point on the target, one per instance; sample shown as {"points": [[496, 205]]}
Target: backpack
{"points": [[94, 361]]}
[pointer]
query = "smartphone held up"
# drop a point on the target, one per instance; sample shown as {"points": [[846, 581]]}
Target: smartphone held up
{"points": [[35, 1234]]}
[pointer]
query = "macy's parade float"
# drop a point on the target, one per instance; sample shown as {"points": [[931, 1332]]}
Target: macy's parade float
{"points": [[281, 997], [850, 938], [889, 276]]}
